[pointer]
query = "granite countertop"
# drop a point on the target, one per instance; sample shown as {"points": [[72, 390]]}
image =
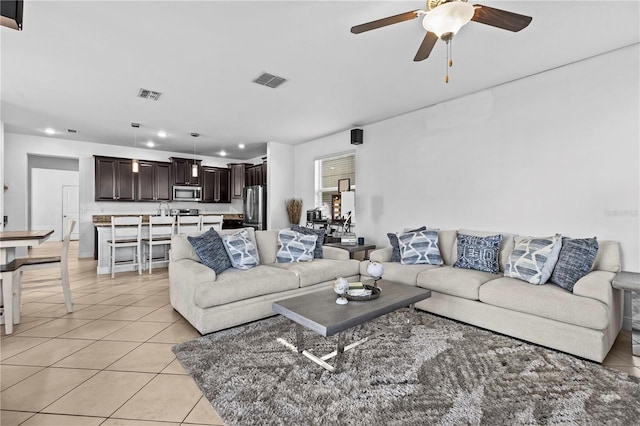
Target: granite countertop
{"points": [[105, 219]]}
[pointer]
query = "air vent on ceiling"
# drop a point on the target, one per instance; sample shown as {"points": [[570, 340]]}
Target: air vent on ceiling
{"points": [[149, 94], [270, 80]]}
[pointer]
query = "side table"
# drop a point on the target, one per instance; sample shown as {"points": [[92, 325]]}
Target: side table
{"points": [[631, 281], [353, 249]]}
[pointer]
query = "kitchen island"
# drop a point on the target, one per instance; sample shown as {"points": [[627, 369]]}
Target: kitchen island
{"points": [[102, 223]]}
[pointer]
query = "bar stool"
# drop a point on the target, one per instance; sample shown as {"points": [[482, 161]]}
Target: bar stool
{"points": [[187, 224], [126, 232], [212, 221], [161, 229]]}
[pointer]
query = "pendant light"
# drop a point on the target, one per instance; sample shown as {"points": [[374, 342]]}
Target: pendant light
{"points": [[194, 166], [135, 166]]}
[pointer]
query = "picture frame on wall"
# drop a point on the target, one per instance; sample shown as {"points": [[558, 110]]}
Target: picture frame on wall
{"points": [[344, 185]]}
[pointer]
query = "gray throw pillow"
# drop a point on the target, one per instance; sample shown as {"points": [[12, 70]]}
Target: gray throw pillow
{"points": [[210, 249], [242, 252], [317, 253], [479, 253], [574, 262], [295, 246], [420, 248], [393, 240], [533, 259]]}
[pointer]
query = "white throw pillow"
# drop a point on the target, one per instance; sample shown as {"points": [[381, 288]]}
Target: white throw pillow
{"points": [[533, 259], [295, 247]]}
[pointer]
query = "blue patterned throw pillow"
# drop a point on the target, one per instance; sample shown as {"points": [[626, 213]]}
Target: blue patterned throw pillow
{"points": [[532, 259], [241, 250], [295, 247], [479, 253], [420, 248], [210, 249], [317, 253], [395, 246], [574, 262]]}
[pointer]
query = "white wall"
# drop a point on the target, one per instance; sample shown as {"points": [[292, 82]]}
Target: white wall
{"points": [[554, 152], [280, 183], [17, 147]]}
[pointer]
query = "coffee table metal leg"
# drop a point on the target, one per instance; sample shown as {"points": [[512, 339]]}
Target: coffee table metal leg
{"points": [[299, 338]]}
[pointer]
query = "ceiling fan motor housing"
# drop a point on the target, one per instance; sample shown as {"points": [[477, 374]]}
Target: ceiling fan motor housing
{"points": [[432, 4]]}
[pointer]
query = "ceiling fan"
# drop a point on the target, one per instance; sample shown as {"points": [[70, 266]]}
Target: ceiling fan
{"points": [[443, 19]]}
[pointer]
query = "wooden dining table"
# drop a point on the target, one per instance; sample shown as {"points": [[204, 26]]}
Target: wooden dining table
{"points": [[9, 240]]}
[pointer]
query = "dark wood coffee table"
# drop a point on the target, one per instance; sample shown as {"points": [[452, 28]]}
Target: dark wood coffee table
{"points": [[320, 313]]}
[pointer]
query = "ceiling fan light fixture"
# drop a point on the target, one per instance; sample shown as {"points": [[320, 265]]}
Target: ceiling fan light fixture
{"points": [[448, 18]]}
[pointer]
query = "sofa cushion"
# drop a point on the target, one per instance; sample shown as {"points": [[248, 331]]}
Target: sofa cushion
{"points": [[574, 261], [234, 284], [532, 259], [181, 248], [479, 253], [420, 248], [295, 247], [267, 246], [317, 253], [547, 301], [210, 249], [321, 270], [608, 257], [395, 246], [454, 281], [393, 271], [242, 252]]}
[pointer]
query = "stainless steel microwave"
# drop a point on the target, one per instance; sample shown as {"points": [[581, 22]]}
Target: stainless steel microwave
{"points": [[187, 193]]}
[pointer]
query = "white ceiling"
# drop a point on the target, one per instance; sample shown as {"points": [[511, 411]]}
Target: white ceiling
{"points": [[80, 64]]}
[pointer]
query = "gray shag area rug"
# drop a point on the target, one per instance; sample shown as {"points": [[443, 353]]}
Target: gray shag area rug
{"points": [[444, 373]]}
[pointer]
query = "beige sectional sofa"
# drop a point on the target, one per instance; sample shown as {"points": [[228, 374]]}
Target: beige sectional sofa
{"points": [[213, 302], [584, 323]]}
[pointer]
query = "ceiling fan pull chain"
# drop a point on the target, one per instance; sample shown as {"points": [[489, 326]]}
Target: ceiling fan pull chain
{"points": [[449, 62]]}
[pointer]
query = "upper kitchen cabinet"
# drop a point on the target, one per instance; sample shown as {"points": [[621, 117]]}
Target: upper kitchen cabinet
{"points": [[182, 174], [216, 185], [237, 178], [256, 175], [114, 179], [154, 181]]}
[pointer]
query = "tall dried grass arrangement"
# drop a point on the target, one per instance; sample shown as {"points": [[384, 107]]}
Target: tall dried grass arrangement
{"points": [[294, 210]]}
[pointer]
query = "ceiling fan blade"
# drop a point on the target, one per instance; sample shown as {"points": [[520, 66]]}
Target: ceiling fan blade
{"points": [[384, 22], [500, 18], [426, 46]]}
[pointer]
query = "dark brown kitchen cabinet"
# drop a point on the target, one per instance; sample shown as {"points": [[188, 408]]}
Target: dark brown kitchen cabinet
{"points": [[238, 171], [154, 181], [256, 175], [182, 174], [114, 179], [264, 173], [216, 185]]}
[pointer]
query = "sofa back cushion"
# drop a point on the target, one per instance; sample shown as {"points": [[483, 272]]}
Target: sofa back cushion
{"points": [[181, 248], [446, 242], [608, 257], [267, 246]]}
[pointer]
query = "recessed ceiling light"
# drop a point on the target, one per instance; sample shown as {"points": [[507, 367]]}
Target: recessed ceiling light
{"points": [[50, 131], [150, 144], [223, 154], [241, 146], [162, 134]]}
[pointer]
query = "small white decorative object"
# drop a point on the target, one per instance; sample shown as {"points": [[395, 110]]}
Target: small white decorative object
{"points": [[341, 286], [375, 270]]}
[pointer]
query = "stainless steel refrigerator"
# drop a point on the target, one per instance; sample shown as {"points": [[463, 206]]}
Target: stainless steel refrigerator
{"points": [[254, 207]]}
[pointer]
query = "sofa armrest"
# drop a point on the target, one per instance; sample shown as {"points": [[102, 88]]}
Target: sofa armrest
{"points": [[184, 270], [334, 253], [597, 285], [381, 255]]}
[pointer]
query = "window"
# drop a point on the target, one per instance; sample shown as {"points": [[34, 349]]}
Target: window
{"points": [[331, 169]]}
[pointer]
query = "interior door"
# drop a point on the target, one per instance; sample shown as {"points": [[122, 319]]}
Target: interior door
{"points": [[71, 208]]}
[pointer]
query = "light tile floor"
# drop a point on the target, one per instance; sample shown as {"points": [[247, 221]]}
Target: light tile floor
{"points": [[110, 363]]}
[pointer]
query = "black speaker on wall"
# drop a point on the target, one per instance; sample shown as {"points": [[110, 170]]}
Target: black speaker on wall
{"points": [[11, 14], [356, 136]]}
